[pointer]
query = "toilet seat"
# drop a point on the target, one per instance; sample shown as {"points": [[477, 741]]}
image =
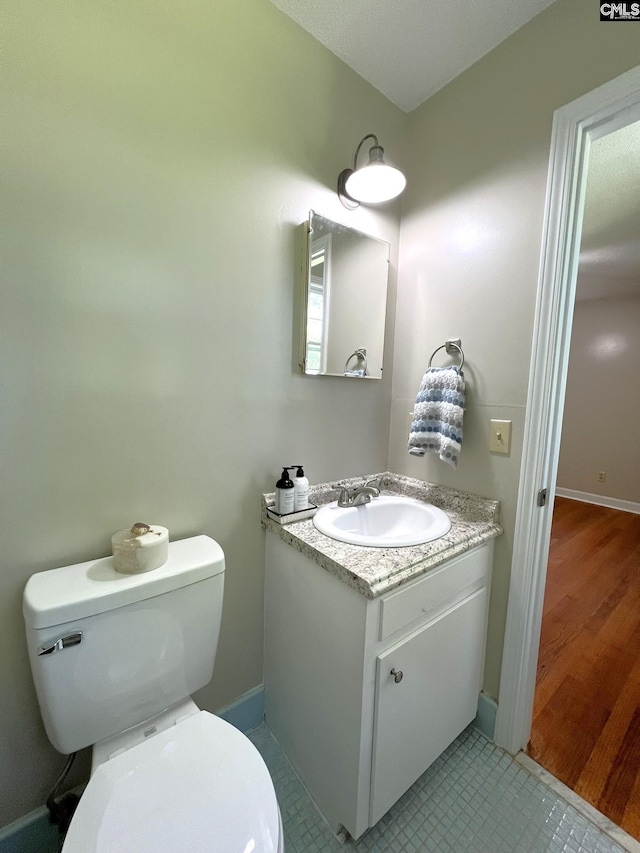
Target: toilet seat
{"points": [[199, 786]]}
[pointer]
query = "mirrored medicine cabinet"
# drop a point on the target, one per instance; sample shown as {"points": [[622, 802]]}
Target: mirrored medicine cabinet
{"points": [[344, 301]]}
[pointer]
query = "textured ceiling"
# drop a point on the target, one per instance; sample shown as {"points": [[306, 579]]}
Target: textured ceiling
{"points": [[408, 49]]}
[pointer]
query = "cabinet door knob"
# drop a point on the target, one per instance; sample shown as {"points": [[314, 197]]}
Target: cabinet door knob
{"points": [[397, 676]]}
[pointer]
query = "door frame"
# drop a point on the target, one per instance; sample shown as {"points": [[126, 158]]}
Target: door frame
{"points": [[608, 108]]}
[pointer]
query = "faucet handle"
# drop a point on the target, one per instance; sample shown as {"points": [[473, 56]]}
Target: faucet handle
{"points": [[344, 499], [373, 484]]}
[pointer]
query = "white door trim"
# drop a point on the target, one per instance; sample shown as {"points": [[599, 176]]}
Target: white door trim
{"points": [[608, 108]]}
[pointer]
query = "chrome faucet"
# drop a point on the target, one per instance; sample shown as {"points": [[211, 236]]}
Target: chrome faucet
{"points": [[359, 496]]}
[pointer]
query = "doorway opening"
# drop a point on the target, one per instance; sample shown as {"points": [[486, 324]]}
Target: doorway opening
{"points": [[588, 673], [576, 128]]}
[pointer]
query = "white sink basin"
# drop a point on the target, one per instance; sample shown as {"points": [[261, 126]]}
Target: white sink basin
{"points": [[386, 522]]}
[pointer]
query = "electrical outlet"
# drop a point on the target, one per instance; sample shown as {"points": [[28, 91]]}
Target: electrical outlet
{"points": [[500, 436], [602, 476]]}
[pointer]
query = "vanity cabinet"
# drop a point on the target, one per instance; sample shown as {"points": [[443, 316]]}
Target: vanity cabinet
{"points": [[364, 694]]}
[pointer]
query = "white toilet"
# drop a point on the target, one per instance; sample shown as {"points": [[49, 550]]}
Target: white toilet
{"points": [[115, 659]]}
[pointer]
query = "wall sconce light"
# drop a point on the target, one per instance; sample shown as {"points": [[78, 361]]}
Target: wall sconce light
{"points": [[373, 183]]}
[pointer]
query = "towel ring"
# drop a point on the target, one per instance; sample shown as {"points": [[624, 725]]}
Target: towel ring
{"points": [[361, 355], [450, 345]]}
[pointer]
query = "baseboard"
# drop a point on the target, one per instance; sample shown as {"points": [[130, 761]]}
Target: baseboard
{"points": [[30, 834], [246, 713], [599, 500], [485, 720]]}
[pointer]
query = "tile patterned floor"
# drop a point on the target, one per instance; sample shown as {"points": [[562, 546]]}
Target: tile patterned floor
{"points": [[473, 799]]}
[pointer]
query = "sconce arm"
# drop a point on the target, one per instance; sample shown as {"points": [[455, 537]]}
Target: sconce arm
{"points": [[363, 140]]}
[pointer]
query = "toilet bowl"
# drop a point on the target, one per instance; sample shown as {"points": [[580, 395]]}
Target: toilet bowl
{"points": [[199, 786], [115, 659]]}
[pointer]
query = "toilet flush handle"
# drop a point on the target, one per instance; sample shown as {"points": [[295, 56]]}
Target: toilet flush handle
{"points": [[61, 643]]}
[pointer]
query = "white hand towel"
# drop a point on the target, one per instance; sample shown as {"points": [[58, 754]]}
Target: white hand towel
{"points": [[437, 415]]}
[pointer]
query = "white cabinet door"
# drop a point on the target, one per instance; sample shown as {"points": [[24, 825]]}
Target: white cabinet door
{"points": [[417, 717]]}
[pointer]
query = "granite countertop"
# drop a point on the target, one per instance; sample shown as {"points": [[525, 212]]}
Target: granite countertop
{"points": [[374, 571]]}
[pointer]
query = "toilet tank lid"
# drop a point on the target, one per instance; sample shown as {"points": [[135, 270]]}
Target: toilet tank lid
{"points": [[73, 592]]}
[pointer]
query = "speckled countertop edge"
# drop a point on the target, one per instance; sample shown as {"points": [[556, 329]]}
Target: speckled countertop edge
{"points": [[374, 571]]}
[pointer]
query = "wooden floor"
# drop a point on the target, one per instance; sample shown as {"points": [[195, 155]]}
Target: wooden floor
{"points": [[586, 726]]}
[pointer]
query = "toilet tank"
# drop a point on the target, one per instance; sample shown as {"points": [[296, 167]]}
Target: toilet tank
{"points": [[109, 650]]}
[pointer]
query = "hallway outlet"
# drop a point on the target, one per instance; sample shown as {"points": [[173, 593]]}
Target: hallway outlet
{"points": [[500, 436], [602, 476]]}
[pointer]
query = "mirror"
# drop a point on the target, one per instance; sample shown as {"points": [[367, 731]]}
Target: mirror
{"points": [[345, 301]]}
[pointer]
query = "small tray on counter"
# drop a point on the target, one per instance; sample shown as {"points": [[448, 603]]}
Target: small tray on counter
{"points": [[289, 517]]}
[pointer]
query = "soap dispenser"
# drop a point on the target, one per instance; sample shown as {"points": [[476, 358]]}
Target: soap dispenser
{"points": [[284, 493], [300, 490]]}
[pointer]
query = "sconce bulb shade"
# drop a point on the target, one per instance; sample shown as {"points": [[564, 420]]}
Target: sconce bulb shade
{"points": [[371, 184], [374, 183]]}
